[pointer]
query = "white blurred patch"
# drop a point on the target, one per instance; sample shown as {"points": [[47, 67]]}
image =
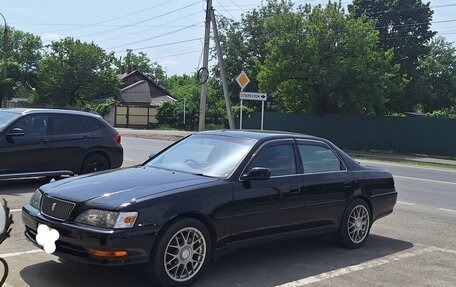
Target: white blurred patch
{"points": [[47, 237], [50, 37]]}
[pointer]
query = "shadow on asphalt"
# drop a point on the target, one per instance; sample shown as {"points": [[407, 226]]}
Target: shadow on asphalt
{"points": [[20, 186], [263, 265]]}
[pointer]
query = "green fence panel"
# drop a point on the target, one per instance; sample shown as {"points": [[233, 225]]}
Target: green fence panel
{"points": [[397, 134]]}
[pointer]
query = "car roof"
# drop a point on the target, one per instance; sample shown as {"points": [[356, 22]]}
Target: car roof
{"points": [[26, 111], [259, 135]]}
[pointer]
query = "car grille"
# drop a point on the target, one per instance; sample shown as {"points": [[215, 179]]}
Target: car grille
{"points": [[56, 208]]}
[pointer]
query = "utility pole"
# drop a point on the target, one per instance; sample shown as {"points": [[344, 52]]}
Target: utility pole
{"points": [[5, 60], [202, 114], [222, 72]]}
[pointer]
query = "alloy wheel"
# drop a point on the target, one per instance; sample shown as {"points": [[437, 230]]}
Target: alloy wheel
{"points": [[185, 253], [358, 223]]}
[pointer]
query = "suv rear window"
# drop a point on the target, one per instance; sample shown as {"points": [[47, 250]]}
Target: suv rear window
{"points": [[93, 124], [62, 124]]}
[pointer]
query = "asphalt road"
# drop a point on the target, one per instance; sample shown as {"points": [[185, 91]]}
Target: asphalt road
{"points": [[415, 246]]}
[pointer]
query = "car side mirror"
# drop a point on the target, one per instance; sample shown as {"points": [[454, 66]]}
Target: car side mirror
{"points": [[257, 173], [16, 132]]}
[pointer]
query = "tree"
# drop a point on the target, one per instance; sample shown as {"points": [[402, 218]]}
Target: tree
{"points": [[24, 54], [436, 76], [141, 62], [171, 113], [244, 44], [404, 27], [322, 61], [73, 72]]}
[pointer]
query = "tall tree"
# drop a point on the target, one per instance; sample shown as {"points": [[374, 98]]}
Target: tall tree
{"points": [[244, 44], [404, 27], [73, 72], [322, 61], [24, 54], [436, 76]]}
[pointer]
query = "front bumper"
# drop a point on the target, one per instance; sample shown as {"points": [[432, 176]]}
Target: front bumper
{"points": [[76, 239]]}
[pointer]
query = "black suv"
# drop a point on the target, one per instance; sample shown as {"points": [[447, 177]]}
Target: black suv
{"points": [[46, 142]]}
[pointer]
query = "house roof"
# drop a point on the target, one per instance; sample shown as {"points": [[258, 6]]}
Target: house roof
{"points": [[126, 75]]}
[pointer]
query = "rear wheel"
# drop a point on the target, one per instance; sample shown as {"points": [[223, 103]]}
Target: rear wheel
{"points": [[181, 255], [94, 162], [355, 224]]}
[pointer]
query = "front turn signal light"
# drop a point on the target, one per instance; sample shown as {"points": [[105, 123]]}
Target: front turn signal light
{"points": [[108, 254]]}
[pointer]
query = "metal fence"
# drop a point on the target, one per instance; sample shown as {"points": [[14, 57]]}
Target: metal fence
{"points": [[397, 134], [135, 117]]}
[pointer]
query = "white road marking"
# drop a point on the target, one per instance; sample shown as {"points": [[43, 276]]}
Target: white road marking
{"points": [[449, 210], [368, 264], [423, 179], [14, 254], [406, 203], [16, 210]]}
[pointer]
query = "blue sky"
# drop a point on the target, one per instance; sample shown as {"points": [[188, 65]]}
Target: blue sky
{"points": [[117, 25]]}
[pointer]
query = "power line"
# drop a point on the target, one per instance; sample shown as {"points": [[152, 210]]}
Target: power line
{"points": [[155, 37], [161, 45], [143, 21], [232, 1], [223, 8], [163, 25], [118, 17], [179, 54]]}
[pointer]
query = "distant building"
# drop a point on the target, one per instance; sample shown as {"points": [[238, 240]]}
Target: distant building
{"points": [[139, 99]]}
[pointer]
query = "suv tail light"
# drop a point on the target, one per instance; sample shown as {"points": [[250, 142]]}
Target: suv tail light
{"points": [[118, 138]]}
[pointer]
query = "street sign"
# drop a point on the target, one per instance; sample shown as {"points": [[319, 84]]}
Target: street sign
{"points": [[242, 80], [249, 96]]}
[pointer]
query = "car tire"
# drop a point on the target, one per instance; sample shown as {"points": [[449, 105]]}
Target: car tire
{"points": [[355, 224], [94, 162], [181, 254]]}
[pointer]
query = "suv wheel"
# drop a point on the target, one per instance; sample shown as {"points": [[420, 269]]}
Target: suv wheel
{"points": [[94, 162]]}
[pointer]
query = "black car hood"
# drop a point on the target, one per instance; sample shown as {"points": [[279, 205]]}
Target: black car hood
{"points": [[113, 188]]}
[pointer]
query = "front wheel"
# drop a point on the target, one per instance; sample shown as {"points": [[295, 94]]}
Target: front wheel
{"points": [[181, 254], [355, 225]]}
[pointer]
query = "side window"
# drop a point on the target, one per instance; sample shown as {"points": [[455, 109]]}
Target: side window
{"points": [[67, 124], [33, 125], [93, 124], [280, 159], [319, 159]]}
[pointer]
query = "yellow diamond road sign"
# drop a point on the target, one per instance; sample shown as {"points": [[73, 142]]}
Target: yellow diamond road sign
{"points": [[243, 80]]}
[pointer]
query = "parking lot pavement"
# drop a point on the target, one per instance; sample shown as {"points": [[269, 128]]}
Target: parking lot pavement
{"points": [[414, 246]]}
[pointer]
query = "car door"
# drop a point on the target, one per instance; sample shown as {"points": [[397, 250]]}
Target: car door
{"points": [[327, 184], [28, 151], [264, 207], [69, 141]]}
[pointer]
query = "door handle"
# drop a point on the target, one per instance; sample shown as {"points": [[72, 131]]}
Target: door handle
{"points": [[44, 140], [295, 189], [348, 185]]}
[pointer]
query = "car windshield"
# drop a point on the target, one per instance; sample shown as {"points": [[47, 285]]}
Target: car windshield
{"points": [[6, 118], [206, 155]]}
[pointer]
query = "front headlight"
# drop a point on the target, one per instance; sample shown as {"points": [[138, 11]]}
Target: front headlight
{"points": [[36, 199], [107, 219]]}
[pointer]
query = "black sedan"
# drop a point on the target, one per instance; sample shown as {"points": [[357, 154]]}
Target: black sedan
{"points": [[207, 194], [47, 142]]}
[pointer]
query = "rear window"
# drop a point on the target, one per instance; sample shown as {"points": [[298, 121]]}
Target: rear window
{"points": [[62, 124], [93, 124]]}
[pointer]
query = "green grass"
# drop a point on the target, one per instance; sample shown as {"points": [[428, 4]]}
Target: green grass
{"points": [[406, 162]]}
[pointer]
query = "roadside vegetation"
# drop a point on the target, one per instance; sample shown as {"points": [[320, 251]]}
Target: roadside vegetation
{"points": [[374, 58]]}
